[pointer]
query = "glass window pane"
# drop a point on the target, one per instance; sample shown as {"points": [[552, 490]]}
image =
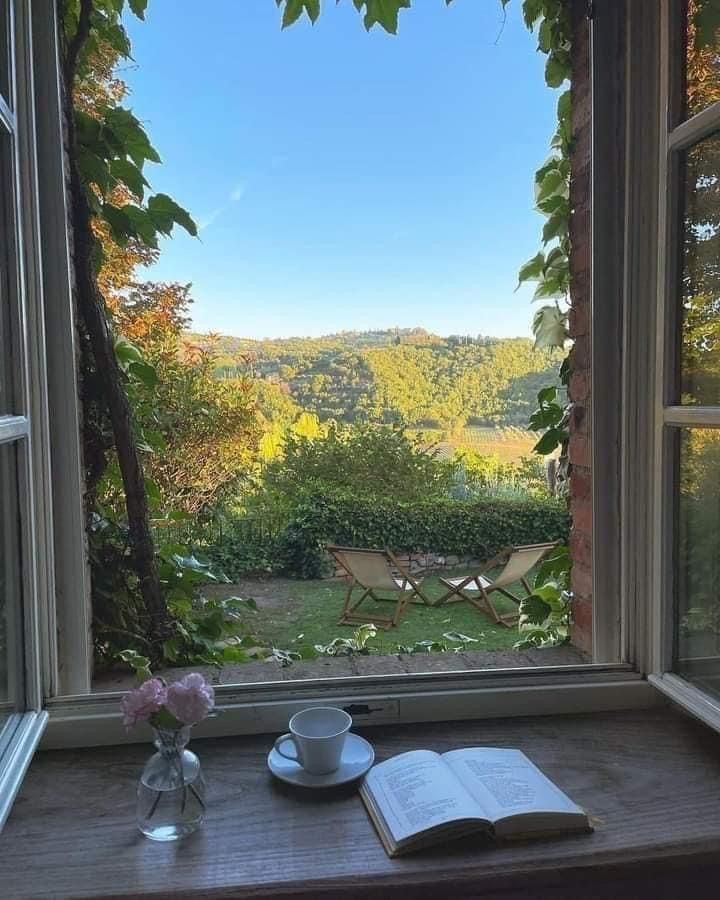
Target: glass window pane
{"points": [[11, 653], [700, 274], [697, 649], [702, 56]]}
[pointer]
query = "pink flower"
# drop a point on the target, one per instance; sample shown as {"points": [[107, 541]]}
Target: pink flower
{"points": [[190, 699], [140, 704]]}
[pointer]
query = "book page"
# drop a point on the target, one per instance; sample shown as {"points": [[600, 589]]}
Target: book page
{"points": [[416, 791], [505, 783]]}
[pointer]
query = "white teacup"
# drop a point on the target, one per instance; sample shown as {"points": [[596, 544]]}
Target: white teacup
{"points": [[319, 737]]}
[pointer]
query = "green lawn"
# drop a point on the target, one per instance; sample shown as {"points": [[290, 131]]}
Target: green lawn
{"points": [[313, 608]]}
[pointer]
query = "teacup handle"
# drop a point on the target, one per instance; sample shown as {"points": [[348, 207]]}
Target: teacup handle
{"points": [[281, 740]]}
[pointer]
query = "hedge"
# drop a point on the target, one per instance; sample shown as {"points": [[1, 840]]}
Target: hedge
{"points": [[480, 529]]}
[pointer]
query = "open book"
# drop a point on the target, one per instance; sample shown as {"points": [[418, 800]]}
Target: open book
{"points": [[421, 798]]}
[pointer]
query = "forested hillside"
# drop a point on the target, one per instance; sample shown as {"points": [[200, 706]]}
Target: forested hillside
{"points": [[405, 375]]}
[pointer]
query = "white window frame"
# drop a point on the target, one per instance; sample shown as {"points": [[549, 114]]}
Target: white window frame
{"points": [[625, 561], [27, 430], [672, 140]]}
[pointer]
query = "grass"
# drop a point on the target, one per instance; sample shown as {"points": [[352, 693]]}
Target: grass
{"points": [[316, 605]]}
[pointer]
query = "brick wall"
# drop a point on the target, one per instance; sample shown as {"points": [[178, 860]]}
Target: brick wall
{"points": [[580, 331]]}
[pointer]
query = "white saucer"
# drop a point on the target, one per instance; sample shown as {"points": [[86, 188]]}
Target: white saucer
{"points": [[357, 758]]}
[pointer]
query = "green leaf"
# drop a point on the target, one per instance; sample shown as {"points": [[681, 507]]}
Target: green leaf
{"points": [[551, 184], [92, 169], [130, 175], [138, 7], [555, 72], [532, 10], [165, 212], [145, 373], [553, 163], [564, 106], [532, 269], [556, 226], [547, 395], [152, 490], [548, 443], [549, 327], [142, 224], [545, 38], [384, 13], [552, 204], [130, 135], [534, 610], [121, 227], [292, 12]]}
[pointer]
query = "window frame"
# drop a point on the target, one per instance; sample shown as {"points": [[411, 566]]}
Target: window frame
{"points": [[669, 417], [625, 562], [26, 431], [79, 719]]}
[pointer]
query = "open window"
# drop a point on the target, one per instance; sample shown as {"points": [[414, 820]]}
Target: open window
{"points": [[644, 495], [688, 390]]}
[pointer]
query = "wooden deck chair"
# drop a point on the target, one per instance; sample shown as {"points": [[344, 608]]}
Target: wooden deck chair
{"points": [[477, 589], [373, 573]]}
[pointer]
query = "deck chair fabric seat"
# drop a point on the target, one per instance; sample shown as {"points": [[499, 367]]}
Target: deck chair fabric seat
{"points": [[519, 561], [474, 584], [371, 574]]}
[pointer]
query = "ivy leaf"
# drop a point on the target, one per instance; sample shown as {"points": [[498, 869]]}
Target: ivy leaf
{"points": [[126, 352], [549, 327], [121, 228], [384, 13], [555, 72], [142, 224], [533, 610], [532, 270], [550, 184], [165, 212], [548, 443], [552, 164], [138, 7], [564, 106], [92, 169], [130, 135], [553, 287], [295, 8], [547, 395], [127, 172], [545, 36], [532, 10], [556, 226], [145, 373], [550, 205]]}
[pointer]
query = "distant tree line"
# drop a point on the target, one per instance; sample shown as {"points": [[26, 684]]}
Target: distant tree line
{"points": [[393, 376]]}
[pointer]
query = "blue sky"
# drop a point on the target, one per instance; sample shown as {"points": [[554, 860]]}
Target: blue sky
{"points": [[344, 179]]}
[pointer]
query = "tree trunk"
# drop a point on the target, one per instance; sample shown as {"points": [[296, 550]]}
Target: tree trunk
{"points": [[91, 309]]}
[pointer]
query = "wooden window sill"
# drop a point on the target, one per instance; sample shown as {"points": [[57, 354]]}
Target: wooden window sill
{"points": [[650, 779]]}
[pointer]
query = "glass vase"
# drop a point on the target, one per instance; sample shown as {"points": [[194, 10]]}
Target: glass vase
{"points": [[171, 792]]}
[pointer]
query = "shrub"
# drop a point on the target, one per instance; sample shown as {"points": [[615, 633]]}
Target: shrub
{"points": [[246, 545], [479, 529], [370, 461]]}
